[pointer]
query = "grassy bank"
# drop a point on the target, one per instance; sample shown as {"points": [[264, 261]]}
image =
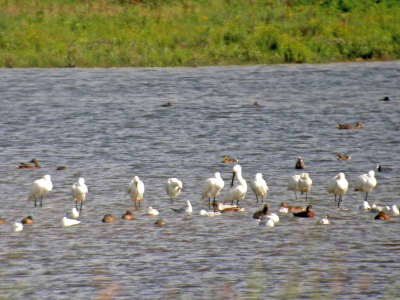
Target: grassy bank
{"points": [[147, 33]]}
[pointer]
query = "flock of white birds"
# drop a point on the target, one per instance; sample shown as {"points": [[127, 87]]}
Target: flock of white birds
{"points": [[338, 186]]}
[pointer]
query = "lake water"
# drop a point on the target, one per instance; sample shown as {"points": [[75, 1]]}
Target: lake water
{"points": [[108, 125]]}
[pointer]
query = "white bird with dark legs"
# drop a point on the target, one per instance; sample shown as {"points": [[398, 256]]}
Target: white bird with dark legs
{"points": [[305, 184], [236, 192], [186, 209], [293, 184], [212, 187], [338, 187], [79, 192], [174, 188], [136, 190], [259, 187], [66, 222], [365, 183], [40, 188]]}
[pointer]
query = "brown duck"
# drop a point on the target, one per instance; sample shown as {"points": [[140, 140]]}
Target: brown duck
{"points": [[341, 156], [27, 166], [347, 126], [108, 219], [305, 214], [382, 216], [292, 209], [128, 215], [300, 164]]}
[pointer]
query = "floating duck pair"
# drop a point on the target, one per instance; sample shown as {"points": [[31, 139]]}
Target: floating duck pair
{"points": [[23, 165], [227, 160]]}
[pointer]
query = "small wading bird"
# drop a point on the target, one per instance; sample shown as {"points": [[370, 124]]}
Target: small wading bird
{"points": [[259, 187], [300, 164], [40, 188], [365, 183], [212, 187], [338, 186], [23, 165], [79, 192], [136, 191], [174, 187], [347, 126], [236, 192]]}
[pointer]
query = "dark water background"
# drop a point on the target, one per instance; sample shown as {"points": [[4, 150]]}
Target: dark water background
{"points": [[107, 125]]}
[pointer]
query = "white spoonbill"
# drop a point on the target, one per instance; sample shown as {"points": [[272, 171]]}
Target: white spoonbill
{"points": [[339, 186], [174, 188], [259, 187], [305, 183], [365, 183], [17, 227], [236, 192], [79, 192], [136, 190], [293, 184], [66, 222], [40, 188], [212, 187]]}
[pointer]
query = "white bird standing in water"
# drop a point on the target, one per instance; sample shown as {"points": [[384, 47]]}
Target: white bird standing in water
{"points": [[212, 187], [236, 192], [40, 188], [174, 188], [293, 184], [339, 186], [365, 183], [136, 190], [305, 184], [79, 192], [259, 187]]}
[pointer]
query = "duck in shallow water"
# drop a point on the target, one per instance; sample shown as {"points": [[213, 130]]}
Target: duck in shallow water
{"points": [[300, 164], [382, 216], [35, 165], [305, 214], [386, 98], [27, 221], [167, 105], [341, 156], [2, 221], [128, 216], [227, 160], [347, 126], [292, 209], [108, 219]]}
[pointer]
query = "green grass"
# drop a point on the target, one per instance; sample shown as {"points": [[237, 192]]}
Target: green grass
{"points": [[151, 33]]}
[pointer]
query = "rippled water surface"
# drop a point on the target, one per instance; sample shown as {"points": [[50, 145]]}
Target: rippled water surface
{"points": [[108, 126]]}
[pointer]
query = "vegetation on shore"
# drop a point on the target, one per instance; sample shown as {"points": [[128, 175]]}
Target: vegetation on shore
{"points": [[160, 33]]}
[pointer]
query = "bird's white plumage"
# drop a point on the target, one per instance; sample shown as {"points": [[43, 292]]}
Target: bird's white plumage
{"points": [[79, 191], [17, 227], [236, 192], [152, 211], [274, 217], [325, 221], [66, 222], [339, 185], [365, 183], [259, 186], [212, 186], [293, 184], [305, 183], [266, 222], [209, 213], [187, 208], [136, 189], [395, 210], [74, 214], [174, 187], [365, 206], [40, 188]]}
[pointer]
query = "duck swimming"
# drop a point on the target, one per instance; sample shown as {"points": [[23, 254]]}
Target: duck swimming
{"points": [[219, 207], [128, 216], [292, 209], [227, 160], [347, 126], [167, 105], [305, 214], [382, 216], [300, 164], [2, 221], [108, 219], [341, 156], [27, 221], [26, 166]]}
